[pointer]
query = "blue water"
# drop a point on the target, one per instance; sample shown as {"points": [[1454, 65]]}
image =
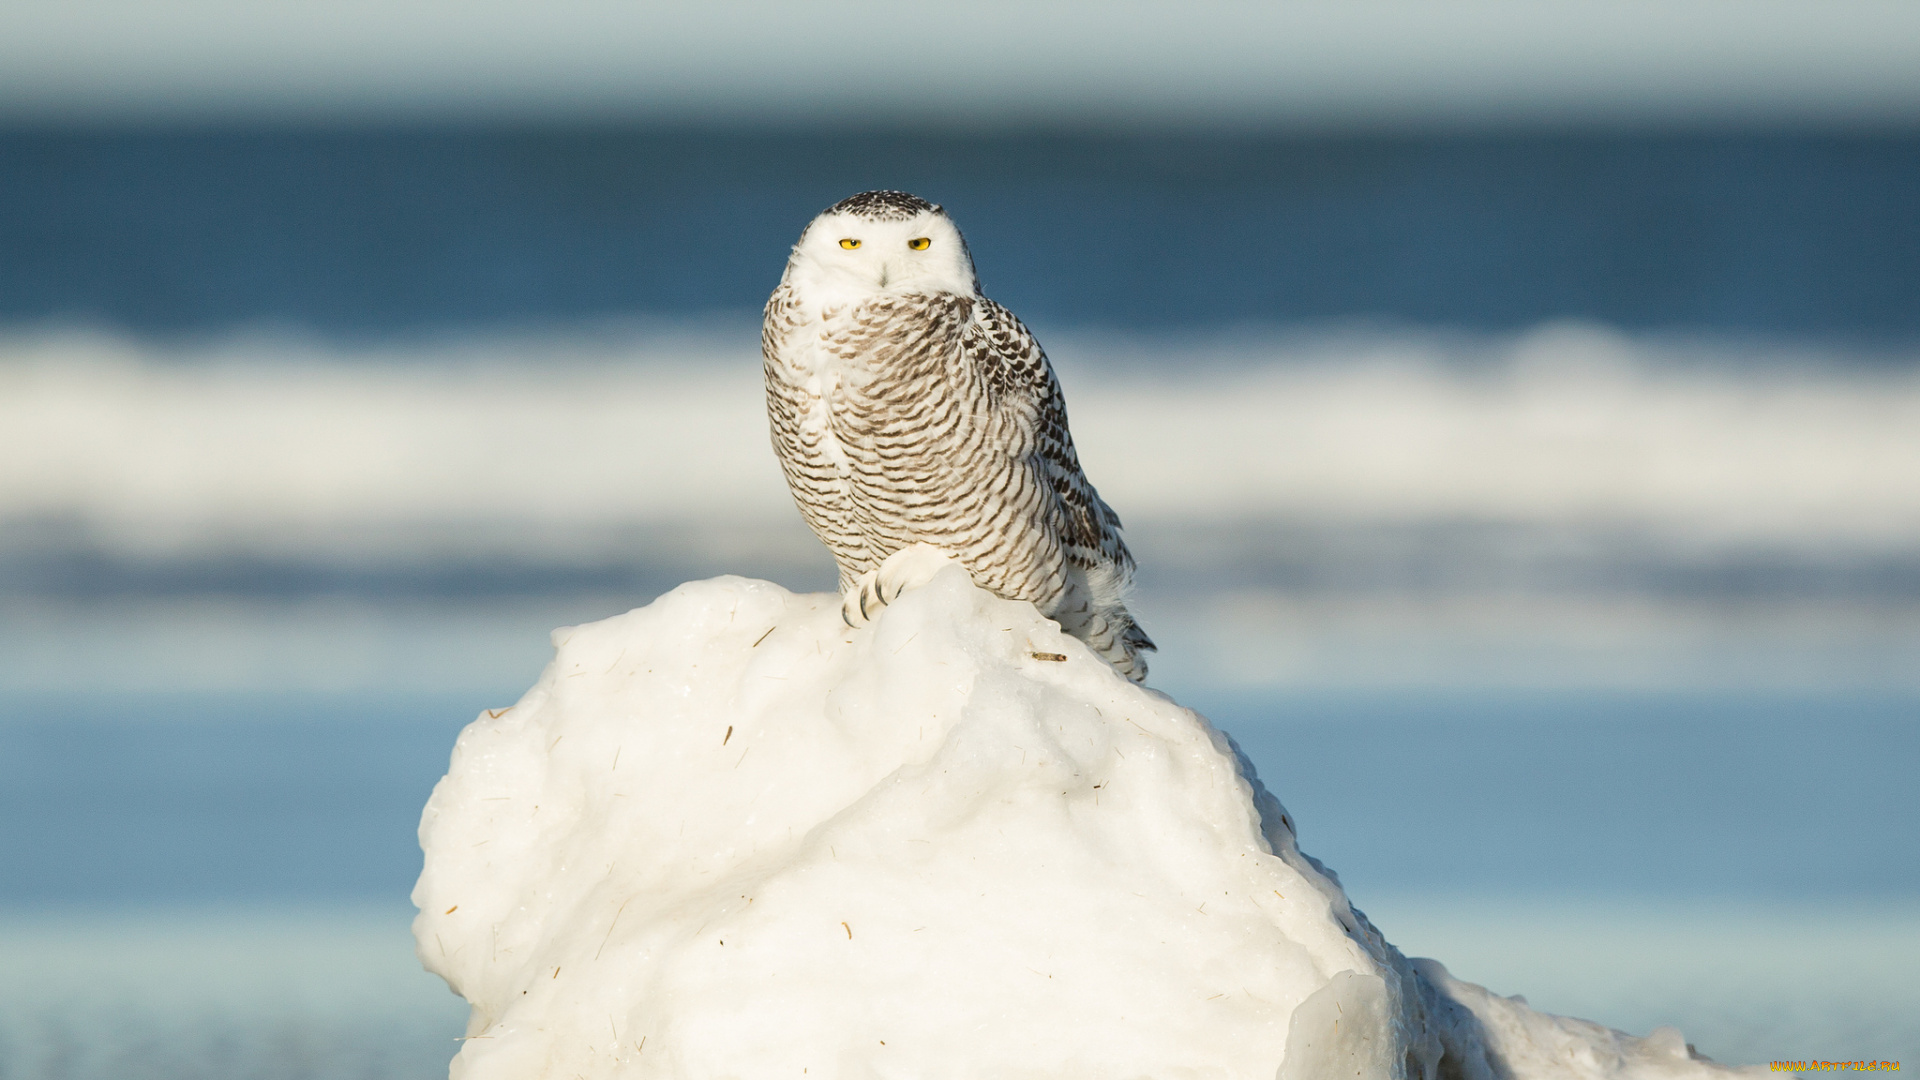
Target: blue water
{"points": [[177, 799], [314, 799], [363, 232], [1597, 794]]}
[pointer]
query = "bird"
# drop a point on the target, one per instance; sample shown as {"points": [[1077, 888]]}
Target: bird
{"points": [[909, 412]]}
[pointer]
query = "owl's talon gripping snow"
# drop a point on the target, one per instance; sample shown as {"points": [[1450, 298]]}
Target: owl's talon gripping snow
{"points": [[853, 603], [908, 411], [908, 568]]}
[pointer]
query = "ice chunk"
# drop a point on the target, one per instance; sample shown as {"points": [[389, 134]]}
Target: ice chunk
{"points": [[1344, 1029], [727, 835]]}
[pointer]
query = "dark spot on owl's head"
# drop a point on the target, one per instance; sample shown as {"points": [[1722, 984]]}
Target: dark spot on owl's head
{"points": [[884, 206]]}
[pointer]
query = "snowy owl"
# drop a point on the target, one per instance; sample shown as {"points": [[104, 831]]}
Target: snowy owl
{"points": [[907, 410]]}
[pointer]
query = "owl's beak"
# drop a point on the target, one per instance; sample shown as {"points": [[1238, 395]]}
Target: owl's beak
{"points": [[883, 275]]}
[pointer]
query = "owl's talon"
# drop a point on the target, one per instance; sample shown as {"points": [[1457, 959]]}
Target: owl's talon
{"points": [[908, 568], [853, 606]]}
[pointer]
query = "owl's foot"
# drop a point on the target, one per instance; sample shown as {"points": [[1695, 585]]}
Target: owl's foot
{"points": [[909, 568]]}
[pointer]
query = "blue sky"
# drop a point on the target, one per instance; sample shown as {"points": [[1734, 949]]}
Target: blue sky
{"points": [[1216, 61]]}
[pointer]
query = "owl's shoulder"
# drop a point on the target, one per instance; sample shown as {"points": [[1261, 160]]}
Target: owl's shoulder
{"points": [[1005, 352], [1002, 329], [781, 319]]}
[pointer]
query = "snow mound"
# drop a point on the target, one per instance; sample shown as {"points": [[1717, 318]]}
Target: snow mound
{"points": [[726, 836]]}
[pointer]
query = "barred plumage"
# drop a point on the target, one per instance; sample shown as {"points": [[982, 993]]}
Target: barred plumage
{"points": [[907, 408]]}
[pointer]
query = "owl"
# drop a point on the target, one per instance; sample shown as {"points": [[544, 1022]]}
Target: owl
{"points": [[907, 409]]}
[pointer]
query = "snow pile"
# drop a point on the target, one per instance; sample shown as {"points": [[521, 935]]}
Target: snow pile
{"points": [[727, 836]]}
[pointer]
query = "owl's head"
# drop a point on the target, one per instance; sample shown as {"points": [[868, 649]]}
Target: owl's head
{"points": [[881, 241]]}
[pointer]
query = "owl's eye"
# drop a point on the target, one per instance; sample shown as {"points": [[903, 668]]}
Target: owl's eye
{"points": [[919, 243], [849, 243]]}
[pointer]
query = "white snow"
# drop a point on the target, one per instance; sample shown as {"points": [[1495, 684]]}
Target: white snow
{"points": [[725, 835]]}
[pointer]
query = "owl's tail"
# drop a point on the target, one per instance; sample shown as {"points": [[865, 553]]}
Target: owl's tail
{"points": [[1134, 645], [1095, 611], [1118, 639]]}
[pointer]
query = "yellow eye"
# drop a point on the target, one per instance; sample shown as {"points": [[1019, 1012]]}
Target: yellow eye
{"points": [[919, 244], [849, 243]]}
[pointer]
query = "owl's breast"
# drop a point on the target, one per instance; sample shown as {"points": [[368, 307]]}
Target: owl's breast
{"points": [[861, 372], [822, 385]]}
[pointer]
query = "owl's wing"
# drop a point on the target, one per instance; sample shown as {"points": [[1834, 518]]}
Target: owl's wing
{"points": [[1022, 388]]}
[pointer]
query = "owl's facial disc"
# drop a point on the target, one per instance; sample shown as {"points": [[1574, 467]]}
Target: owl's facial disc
{"points": [[846, 257]]}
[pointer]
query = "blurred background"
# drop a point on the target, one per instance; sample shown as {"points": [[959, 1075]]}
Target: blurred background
{"points": [[1515, 409]]}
